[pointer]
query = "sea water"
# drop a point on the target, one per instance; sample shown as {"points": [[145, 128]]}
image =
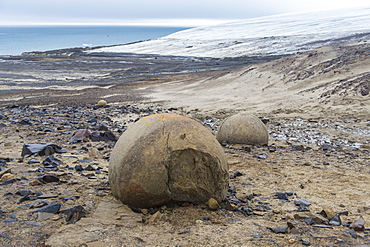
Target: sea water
{"points": [[15, 40]]}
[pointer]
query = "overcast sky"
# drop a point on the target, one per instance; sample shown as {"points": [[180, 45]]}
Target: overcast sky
{"points": [[171, 12]]}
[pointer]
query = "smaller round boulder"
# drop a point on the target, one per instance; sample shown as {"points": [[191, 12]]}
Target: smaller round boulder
{"points": [[164, 158], [243, 128], [102, 102]]}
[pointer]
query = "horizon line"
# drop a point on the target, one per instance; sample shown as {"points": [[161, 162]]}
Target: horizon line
{"points": [[147, 22]]}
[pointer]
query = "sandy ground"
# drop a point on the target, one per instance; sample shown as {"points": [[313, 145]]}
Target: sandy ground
{"points": [[313, 84], [310, 99]]}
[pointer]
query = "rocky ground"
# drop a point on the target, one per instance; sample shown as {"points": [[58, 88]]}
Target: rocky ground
{"points": [[308, 187], [305, 188]]}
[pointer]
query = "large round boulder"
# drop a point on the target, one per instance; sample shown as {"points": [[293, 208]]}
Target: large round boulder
{"points": [[167, 158], [243, 128]]}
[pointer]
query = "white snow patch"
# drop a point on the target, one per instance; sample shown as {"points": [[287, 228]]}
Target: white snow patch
{"points": [[272, 35]]}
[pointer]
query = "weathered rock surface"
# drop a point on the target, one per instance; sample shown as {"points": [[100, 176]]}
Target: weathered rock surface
{"points": [[243, 128], [167, 157]]}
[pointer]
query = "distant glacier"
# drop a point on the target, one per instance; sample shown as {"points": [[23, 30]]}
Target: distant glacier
{"points": [[271, 35]]}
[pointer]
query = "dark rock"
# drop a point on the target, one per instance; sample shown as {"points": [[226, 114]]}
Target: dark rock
{"points": [[67, 198], [335, 221], [260, 156], [358, 225], [52, 208], [2, 162], [105, 136], [303, 209], [90, 168], [265, 120], [325, 163], [224, 143], [297, 147], [102, 128], [92, 120], [73, 214], [342, 242], [236, 174], [25, 122], [206, 218], [247, 148], [245, 211], [135, 209], [282, 196], [9, 220], [304, 242], [322, 226], [48, 178], [365, 91], [326, 147], [78, 168], [278, 230], [272, 149], [41, 149], [9, 181], [33, 161], [309, 221], [13, 216], [39, 204], [51, 162], [23, 192], [24, 198], [81, 135], [353, 234], [256, 236], [344, 212], [232, 189], [302, 202]]}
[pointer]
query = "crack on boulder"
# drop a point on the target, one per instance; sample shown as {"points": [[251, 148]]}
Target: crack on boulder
{"points": [[191, 176]]}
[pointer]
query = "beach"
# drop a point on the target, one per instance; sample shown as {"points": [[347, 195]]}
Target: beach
{"points": [[315, 105]]}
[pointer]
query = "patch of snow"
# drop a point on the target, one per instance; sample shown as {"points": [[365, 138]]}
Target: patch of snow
{"points": [[271, 35]]}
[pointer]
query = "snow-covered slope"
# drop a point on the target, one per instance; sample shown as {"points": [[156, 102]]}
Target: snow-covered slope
{"points": [[272, 35]]}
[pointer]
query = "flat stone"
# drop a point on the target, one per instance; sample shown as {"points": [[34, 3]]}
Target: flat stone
{"points": [[23, 192], [323, 226], [277, 230], [51, 208], [302, 202], [46, 196], [49, 178]]}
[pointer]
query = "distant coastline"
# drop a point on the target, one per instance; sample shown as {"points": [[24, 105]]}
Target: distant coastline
{"points": [[18, 39]]}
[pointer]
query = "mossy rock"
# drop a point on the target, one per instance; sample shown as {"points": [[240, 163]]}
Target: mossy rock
{"points": [[243, 128], [166, 158]]}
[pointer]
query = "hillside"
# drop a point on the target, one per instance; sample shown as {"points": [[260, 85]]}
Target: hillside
{"points": [[271, 35]]}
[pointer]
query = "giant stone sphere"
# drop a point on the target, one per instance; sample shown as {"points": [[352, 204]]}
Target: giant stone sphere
{"points": [[243, 128], [167, 158]]}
